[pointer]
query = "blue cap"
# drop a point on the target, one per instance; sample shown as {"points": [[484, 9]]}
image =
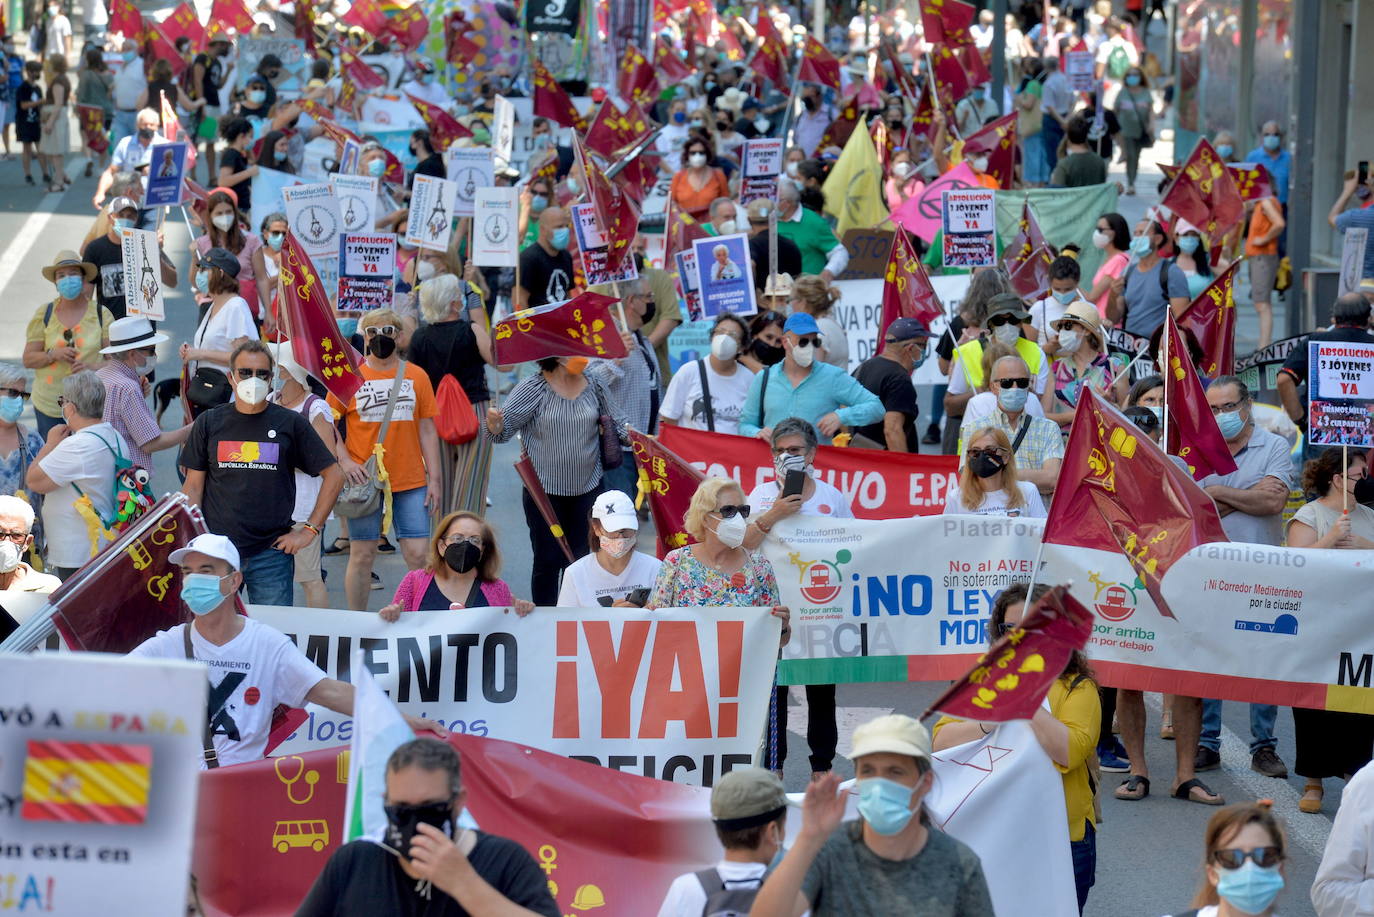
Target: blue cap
{"points": [[801, 323]]}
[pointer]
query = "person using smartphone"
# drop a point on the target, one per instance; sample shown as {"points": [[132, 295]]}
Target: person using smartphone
{"points": [[614, 574]]}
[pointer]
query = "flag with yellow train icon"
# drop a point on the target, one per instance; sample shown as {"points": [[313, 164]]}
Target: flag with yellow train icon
{"points": [[87, 782]]}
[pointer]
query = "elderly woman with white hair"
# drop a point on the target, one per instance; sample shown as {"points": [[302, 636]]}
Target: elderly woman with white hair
{"points": [[16, 537], [450, 344], [19, 445]]}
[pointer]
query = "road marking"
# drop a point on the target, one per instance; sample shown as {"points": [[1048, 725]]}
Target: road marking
{"points": [[17, 251]]}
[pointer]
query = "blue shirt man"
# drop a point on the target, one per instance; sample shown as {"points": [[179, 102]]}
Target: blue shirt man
{"points": [[1275, 158]]}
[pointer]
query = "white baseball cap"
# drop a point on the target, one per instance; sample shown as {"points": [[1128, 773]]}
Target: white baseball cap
{"points": [[217, 546], [615, 511], [894, 733]]}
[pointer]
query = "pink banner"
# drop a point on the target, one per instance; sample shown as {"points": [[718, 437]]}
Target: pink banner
{"points": [[920, 215]]}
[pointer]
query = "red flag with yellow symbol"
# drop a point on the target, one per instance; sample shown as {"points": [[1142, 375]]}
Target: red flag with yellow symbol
{"points": [[947, 21], [680, 230], [359, 73], [616, 212], [1204, 193], [461, 51], [183, 22], [1212, 319], [92, 121], [907, 291], [1193, 432], [443, 127], [409, 26], [126, 19], [842, 128], [1119, 492], [1010, 680], [551, 100], [818, 65], [1027, 258], [99, 782], [998, 140], [367, 15], [232, 14], [612, 129], [951, 75], [669, 482], [636, 81], [1252, 180], [579, 327], [770, 60], [160, 45], [305, 27], [316, 341], [667, 62]]}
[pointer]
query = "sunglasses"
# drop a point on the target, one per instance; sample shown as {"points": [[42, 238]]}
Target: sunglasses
{"points": [[1004, 319], [388, 330], [1234, 857], [1019, 382], [14, 393], [1004, 628], [728, 511], [246, 373], [990, 451], [808, 342]]}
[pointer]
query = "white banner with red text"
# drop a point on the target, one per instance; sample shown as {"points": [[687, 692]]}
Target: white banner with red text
{"points": [[909, 600], [664, 694]]}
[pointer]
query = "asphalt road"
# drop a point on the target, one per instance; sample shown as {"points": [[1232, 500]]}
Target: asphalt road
{"points": [[1148, 851]]}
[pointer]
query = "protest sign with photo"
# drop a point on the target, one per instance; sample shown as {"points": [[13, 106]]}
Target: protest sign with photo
{"points": [[312, 212], [166, 169], [98, 771], [920, 215], [357, 197], [1078, 67], [469, 168], [1340, 394], [666, 693], [725, 273], [430, 223], [349, 157], [366, 271], [495, 217], [689, 283], [968, 221], [594, 248], [142, 273], [762, 166]]}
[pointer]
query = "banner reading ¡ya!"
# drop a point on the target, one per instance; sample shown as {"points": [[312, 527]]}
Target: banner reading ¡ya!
{"points": [[665, 694], [909, 600]]}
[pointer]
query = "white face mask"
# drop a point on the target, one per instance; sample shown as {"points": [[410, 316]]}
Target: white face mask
{"points": [[1069, 340], [902, 169], [792, 169], [1007, 334], [727, 227], [980, 163], [252, 391], [1100, 238], [731, 531], [147, 366], [424, 271], [803, 356], [696, 160], [224, 222], [9, 556], [724, 347], [761, 125], [617, 547]]}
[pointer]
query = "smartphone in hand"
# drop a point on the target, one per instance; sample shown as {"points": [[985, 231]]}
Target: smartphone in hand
{"points": [[793, 483]]}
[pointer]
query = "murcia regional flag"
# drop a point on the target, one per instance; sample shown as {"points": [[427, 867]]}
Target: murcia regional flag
{"points": [[87, 782]]}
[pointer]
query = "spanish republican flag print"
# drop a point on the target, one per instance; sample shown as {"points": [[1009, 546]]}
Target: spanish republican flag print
{"points": [[87, 782]]}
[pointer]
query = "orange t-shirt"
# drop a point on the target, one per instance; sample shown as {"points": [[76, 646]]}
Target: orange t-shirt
{"points": [[696, 201], [1260, 225], [404, 459]]}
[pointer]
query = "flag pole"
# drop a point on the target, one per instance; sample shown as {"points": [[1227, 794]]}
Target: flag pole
{"points": [[1164, 341], [1345, 469]]}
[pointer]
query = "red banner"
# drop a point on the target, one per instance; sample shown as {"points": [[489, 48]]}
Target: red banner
{"points": [[669, 482], [580, 327], [1193, 432], [316, 341], [1212, 319], [818, 65], [878, 484], [92, 121], [998, 140], [907, 292], [599, 834]]}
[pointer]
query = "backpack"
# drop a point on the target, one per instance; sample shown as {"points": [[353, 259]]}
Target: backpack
{"points": [[454, 421], [726, 902], [131, 494], [1118, 62]]}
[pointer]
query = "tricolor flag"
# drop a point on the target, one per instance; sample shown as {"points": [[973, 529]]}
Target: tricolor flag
{"points": [[378, 730], [86, 782]]}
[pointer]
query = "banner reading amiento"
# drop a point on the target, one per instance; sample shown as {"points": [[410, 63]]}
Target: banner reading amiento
{"points": [[909, 600], [677, 694]]}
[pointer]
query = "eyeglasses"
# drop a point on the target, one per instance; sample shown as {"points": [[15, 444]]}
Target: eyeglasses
{"points": [[1235, 857], [68, 336], [388, 330], [474, 540], [728, 511], [808, 342], [14, 393], [16, 537], [1005, 318], [996, 452], [1018, 382], [246, 373], [1228, 407], [789, 450], [1004, 628]]}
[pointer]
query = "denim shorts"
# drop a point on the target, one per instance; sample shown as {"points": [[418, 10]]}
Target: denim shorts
{"points": [[409, 518]]}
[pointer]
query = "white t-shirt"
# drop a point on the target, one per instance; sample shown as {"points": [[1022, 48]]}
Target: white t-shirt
{"points": [[59, 28], [84, 460], [836, 343], [586, 580], [249, 676], [686, 897], [307, 485], [1045, 313], [995, 503], [93, 12], [958, 379], [684, 403], [218, 330], [825, 501], [129, 83]]}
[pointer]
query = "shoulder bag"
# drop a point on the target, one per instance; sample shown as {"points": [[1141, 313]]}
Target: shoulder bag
{"points": [[612, 456], [356, 500], [706, 397], [208, 387]]}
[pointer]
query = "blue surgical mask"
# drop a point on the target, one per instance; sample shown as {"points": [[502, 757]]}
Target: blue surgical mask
{"points": [[426, 78], [885, 804], [1272, 141], [679, 117], [201, 593], [560, 238], [123, 223], [979, 94], [574, 186], [920, 359], [348, 327], [69, 287], [1155, 409], [1132, 79], [1250, 888], [257, 96], [1067, 296], [1140, 246], [376, 167], [538, 202], [276, 240], [1226, 151], [1012, 399], [203, 282], [11, 408], [543, 142], [1230, 424]]}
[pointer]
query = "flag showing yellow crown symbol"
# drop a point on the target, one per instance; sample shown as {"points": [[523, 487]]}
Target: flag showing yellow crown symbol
{"points": [[87, 782]]}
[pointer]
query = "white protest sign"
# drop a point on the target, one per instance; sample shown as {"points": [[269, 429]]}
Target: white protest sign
{"points": [[503, 130], [312, 212], [762, 166], [432, 201], [1340, 394], [357, 195], [99, 769], [495, 216], [674, 689], [142, 273], [469, 168], [367, 271], [1353, 247], [968, 220], [1078, 67]]}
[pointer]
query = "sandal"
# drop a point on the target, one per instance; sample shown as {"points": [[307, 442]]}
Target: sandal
{"points": [[1166, 726], [338, 546], [1311, 801], [1133, 789], [1185, 792]]}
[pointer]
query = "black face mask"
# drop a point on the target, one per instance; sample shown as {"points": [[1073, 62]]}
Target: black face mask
{"points": [[985, 466], [402, 823], [145, 134], [768, 354], [650, 310], [462, 557], [810, 103], [381, 346], [1364, 491]]}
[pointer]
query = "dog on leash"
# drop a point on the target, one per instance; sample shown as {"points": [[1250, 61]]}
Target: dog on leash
{"points": [[164, 393]]}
